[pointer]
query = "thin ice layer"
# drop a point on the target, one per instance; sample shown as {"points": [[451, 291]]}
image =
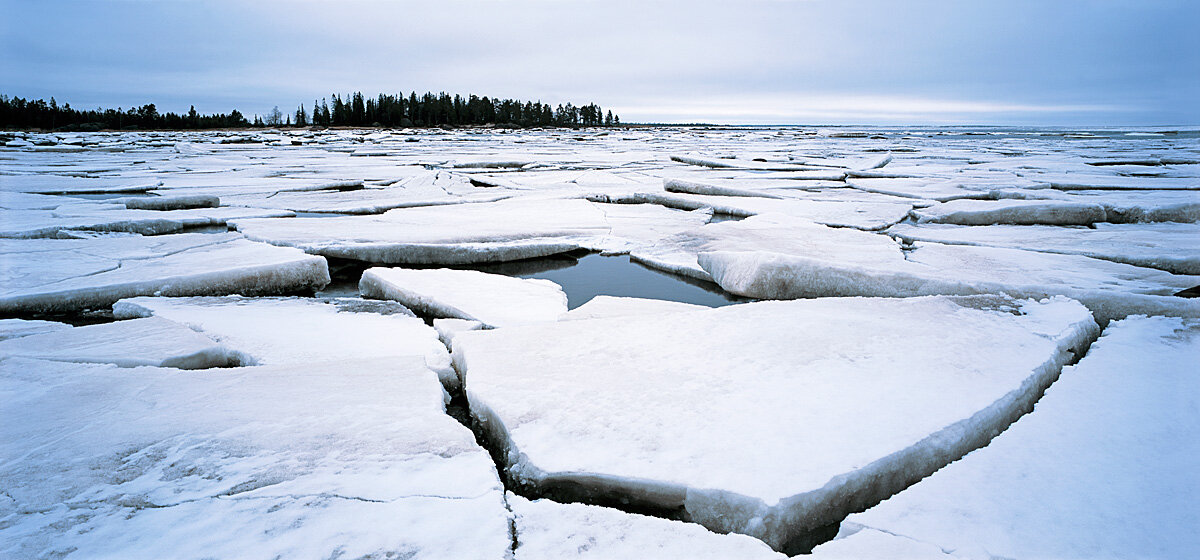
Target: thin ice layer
{"points": [[62, 275], [141, 342], [804, 419], [492, 299], [547, 530], [1103, 467], [295, 331], [354, 457], [1172, 247]]}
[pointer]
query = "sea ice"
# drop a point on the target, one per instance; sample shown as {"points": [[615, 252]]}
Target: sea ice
{"points": [[804, 419], [140, 342], [60, 275], [457, 234], [1103, 467], [547, 530], [296, 331], [353, 457], [492, 299], [16, 328], [1172, 247], [1010, 211]]}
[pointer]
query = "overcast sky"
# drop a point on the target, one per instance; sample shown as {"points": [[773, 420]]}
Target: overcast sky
{"points": [[1103, 62]]}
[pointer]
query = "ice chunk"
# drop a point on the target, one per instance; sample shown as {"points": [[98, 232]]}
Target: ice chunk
{"points": [[804, 419], [270, 331], [737, 164], [1079, 181], [448, 328], [1107, 458], [817, 261], [63, 184], [140, 342], [1017, 212], [59, 275], [353, 457], [116, 218], [547, 530], [458, 234], [614, 306], [181, 202], [1167, 246], [866, 215], [681, 186], [16, 328], [492, 299]]}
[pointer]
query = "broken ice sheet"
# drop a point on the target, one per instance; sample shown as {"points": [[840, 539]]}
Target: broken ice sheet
{"points": [[270, 331], [350, 457], [66, 275], [140, 342], [1103, 467], [492, 299], [804, 419]]}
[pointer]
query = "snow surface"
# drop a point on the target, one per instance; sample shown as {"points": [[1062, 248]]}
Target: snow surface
{"points": [[58, 275], [15, 328], [140, 342], [297, 331], [1104, 467], [354, 457], [492, 299], [804, 420], [548, 530], [614, 306]]}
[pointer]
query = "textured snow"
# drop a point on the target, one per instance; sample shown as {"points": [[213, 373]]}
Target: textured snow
{"points": [[1172, 247], [1103, 467], [492, 299], [548, 530], [354, 457], [58, 275], [297, 331], [804, 420], [140, 342]]}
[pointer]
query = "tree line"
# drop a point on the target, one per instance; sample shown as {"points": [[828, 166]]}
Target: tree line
{"points": [[354, 109]]}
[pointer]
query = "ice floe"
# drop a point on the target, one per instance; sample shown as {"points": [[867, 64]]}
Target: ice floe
{"points": [[492, 299], [804, 420], [140, 342], [1103, 466]]}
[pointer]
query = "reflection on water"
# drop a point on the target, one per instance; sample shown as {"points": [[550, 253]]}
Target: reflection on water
{"points": [[594, 275]]}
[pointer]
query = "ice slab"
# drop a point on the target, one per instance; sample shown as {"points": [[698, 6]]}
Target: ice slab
{"points": [[865, 215], [448, 328], [1078, 181], [457, 234], [16, 328], [615, 306], [547, 530], [181, 202], [65, 184], [1140, 206], [1173, 247], [817, 261], [804, 419], [140, 342], [59, 275], [116, 218], [1107, 458], [1010, 211], [492, 299], [354, 457], [281, 331]]}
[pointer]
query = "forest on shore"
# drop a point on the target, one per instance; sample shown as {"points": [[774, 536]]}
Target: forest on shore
{"points": [[352, 110]]}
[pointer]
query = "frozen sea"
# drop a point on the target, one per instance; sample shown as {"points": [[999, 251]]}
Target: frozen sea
{"points": [[683, 342]]}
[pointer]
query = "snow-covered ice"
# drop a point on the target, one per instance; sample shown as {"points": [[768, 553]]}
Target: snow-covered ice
{"points": [[270, 331], [353, 457], [804, 418], [549, 530], [60, 275], [1104, 466], [1017, 212], [141, 342], [15, 328], [492, 299], [613, 306], [1173, 247]]}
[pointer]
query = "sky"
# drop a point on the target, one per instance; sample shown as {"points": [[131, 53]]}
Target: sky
{"points": [[1009, 62]]}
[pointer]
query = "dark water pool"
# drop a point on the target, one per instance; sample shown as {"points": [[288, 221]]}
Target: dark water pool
{"points": [[587, 276]]}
